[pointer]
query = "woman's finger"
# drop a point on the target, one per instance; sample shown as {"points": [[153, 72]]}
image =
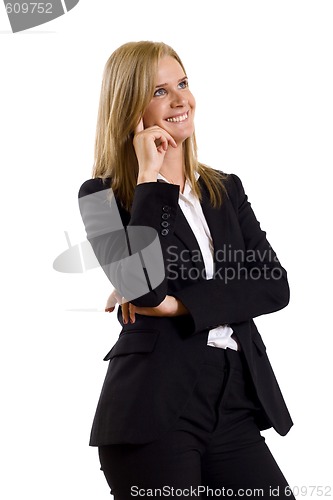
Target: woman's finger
{"points": [[163, 144], [118, 296], [164, 137], [139, 128], [156, 133], [113, 299], [125, 312], [132, 310], [111, 302]]}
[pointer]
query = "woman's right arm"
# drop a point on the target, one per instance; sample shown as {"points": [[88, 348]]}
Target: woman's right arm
{"points": [[131, 248]]}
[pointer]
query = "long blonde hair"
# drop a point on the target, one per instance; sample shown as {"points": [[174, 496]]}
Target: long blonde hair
{"points": [[127, 88]]}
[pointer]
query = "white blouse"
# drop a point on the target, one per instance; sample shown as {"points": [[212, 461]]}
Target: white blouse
{"points": [[221, 336]]}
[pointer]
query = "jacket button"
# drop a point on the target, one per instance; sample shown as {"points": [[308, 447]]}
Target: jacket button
{"points": [[165, 223], [165, 216], [166, 208], [164, 232]]}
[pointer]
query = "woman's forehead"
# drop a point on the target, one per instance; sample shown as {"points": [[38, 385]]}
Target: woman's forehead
{"points": [[168, 69]]}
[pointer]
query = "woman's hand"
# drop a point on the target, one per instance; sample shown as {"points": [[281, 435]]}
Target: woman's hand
{"points": [[169, 307], [113, 299], [151, 145]]}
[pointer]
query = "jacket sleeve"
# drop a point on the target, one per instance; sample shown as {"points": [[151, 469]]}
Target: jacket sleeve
{"points": [[131, 248], [258, 286]]}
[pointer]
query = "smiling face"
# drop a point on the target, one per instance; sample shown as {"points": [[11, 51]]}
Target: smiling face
{"points": [[172, 107]]}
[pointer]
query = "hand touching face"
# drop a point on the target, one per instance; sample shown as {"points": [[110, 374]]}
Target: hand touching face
{"points": [[151, 145]]}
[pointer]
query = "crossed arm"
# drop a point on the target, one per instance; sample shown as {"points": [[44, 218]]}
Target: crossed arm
{"points": [[209, 302]]}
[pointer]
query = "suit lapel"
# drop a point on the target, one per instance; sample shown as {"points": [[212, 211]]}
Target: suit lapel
{"points": [[216, 222], [185, 234]]}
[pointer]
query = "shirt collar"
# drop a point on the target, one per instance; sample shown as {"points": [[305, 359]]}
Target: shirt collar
{"points": [[187, 187]]}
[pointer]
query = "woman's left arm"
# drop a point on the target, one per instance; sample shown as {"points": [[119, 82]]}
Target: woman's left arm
{"points": [[169, 307], [259, 287]]}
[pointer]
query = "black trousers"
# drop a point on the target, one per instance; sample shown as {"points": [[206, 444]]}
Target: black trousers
{"points": [[215, 450]]}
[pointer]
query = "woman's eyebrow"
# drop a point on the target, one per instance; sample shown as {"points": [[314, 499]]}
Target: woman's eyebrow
{"points": [[166, 84]]}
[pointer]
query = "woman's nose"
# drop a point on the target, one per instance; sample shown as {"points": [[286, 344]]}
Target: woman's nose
{"points": [[178, 99]]}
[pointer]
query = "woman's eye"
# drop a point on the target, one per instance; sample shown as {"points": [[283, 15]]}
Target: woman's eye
{"points": [[159, 92], [183, 84]]}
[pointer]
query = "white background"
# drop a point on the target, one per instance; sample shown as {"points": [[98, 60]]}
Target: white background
{"points": [[262, 75]]}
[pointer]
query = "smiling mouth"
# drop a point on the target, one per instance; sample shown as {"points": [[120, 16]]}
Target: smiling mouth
{"points": [[178, 119]]}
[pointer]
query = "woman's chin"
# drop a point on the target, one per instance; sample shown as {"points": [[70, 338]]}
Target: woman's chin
{"points": [[180, 138]]}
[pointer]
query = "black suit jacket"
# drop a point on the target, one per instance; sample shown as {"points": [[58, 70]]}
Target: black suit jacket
{"points": [[154, 365]]}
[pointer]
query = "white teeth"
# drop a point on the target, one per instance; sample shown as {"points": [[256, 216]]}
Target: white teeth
{"points": [[178, 118]]}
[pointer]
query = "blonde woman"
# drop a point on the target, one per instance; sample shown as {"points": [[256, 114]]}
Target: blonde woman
{"points": [[189, 385]]}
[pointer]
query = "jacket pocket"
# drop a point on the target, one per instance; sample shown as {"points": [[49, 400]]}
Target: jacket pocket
{"points": [[134, 341]]}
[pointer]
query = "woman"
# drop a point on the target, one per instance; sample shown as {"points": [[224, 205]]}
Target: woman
{"points": [[189, 385]]}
